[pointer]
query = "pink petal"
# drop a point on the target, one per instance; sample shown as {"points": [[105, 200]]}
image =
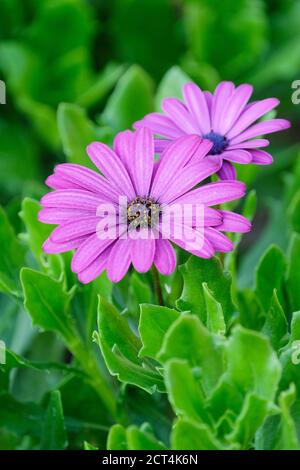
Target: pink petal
{"points": [[179, 114], [227, 171], [123, 147], [197, 105], [218, 240], [165, 257], [74, 229], [214, 193], [112, 167], [143, 251], [202, 151], [119, 260], [221, 98], [233, 222], [143, 160], [236, 105], [190, 176], [160, 145], [160, 125], [176, 156], [51, 247], [95, 268], [89, 251], [55, 215], [253, 112], [57, 182], [72, 199], [261, 128], [237, 156], [250, 144], [88, 179], [260, 157]]}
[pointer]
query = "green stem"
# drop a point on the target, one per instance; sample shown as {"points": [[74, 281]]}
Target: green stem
{"points": [[157, 286]]}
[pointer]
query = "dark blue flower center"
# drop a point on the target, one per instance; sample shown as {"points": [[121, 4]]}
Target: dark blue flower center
{"points": [[220, 142]]}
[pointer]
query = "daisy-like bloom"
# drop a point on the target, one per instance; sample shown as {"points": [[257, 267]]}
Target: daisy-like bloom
{"points": [[224, 117], [137, 233]]}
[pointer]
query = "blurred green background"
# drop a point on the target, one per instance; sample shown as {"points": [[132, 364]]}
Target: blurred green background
{"points": [[82, 70]]}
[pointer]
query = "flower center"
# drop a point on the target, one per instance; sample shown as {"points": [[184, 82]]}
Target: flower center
{"points": [[220, 142], [142, 213]]}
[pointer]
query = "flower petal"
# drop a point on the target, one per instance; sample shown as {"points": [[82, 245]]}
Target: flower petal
{"points": [[88, 179], [218, 240], [165, 257], [95, 268], [227, 171], [236, 105], [197, 105], [261, 128], [58, 182], [179, 114], [190, 176], [249, 144], [143, 251], [73, 199], [253, 112], [160, 125], [237, 156], [75, 229], [260, 157], [55, 215], [89, 251], [233, 222], [143, 160], [112, 167], [51, 247], [222, 94], [123, 147], [119, 260], [214, 193], [175, 157]]}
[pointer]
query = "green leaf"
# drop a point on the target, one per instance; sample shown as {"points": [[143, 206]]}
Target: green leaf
{"points": [[138, 439], [269, 275], [275, 327], [47, 303], [252, 363], [139, 293], [12, 256], [252, 367], [249, 420], [114, 329], [120, 347], [279, 431], [188, 435], [37, 232], [116, 439], [187, 401], [154, 323], [130, 101], [293, 272], [196, 271], [171, 85], [88, 446], [54, 432], [127, 371], [188, 339], [215, 318], [76, 132]]}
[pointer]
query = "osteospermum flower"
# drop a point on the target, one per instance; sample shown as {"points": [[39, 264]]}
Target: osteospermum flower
{"points": [[136, 232], [225, 118]]}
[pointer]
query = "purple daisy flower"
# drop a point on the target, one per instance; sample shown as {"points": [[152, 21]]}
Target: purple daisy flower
{"points": [[225, 118], [130, 172]]}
